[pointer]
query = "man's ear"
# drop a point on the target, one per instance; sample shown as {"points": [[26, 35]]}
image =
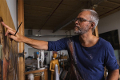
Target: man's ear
{"points": [[92, 24]]}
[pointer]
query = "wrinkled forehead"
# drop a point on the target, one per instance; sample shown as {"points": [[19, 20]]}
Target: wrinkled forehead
{"points": [[84, 14]]}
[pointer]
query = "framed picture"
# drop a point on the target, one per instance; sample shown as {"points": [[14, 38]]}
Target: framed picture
{"points": [[112, 37]]}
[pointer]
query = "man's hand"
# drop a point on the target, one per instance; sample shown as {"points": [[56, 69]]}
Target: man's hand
{"points": [[38, 44], [10, 33]]}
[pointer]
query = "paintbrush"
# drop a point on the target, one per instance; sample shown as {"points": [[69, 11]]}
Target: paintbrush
{"points": [[17, 29]]}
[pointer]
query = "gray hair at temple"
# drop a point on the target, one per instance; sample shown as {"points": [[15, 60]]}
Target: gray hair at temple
{"points": [[94, 17]]}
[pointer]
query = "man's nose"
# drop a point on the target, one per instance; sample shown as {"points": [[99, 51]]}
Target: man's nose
{"points": [[76, 21]]}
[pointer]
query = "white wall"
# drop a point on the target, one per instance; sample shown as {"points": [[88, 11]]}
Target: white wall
{"points": [[13, 10], [109, 23]]}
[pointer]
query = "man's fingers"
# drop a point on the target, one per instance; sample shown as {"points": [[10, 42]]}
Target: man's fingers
{"points": [[1, 21], [5, 25], [9, 32], [12, 37]]}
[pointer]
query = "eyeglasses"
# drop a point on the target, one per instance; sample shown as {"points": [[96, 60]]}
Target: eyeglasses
{"points": [[81, 20]]}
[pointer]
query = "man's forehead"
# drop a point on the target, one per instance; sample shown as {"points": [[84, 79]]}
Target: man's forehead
{"points": [[84, 14]]}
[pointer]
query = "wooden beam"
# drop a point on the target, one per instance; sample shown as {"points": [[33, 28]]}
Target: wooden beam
{"points": [[96, 32], [21, 61]]}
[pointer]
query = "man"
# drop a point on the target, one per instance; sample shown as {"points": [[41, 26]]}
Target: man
{"points": [[91, 53]]}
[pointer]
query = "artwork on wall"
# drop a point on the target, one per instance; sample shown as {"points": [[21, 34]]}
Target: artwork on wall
{"points": [[112, 37]]}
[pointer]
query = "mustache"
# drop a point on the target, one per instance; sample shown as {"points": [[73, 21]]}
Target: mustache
{"points": [[77, 26]]}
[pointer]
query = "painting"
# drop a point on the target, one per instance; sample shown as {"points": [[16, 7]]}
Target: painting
{"points": [[112, 37]]}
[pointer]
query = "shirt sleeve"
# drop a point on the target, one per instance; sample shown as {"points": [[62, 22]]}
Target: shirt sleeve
{"points": [[57, 45], [110, 59]]}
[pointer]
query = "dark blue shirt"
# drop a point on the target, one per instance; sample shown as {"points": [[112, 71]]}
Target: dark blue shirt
{"points": [[90, 60]]}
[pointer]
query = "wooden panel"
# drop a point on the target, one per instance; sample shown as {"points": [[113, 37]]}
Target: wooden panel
{"points": [[115, 1], [63, 13], [101, 10], [42, 3], [8, 68], [38, 13], [109, 4], [37, 8], [109, 12]]}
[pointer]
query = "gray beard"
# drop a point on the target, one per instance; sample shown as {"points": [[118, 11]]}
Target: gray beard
{"points": [[78, 32], [81, 31]]}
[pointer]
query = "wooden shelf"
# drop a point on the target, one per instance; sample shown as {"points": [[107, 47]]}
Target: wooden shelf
{"points": [[38, 71]]}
